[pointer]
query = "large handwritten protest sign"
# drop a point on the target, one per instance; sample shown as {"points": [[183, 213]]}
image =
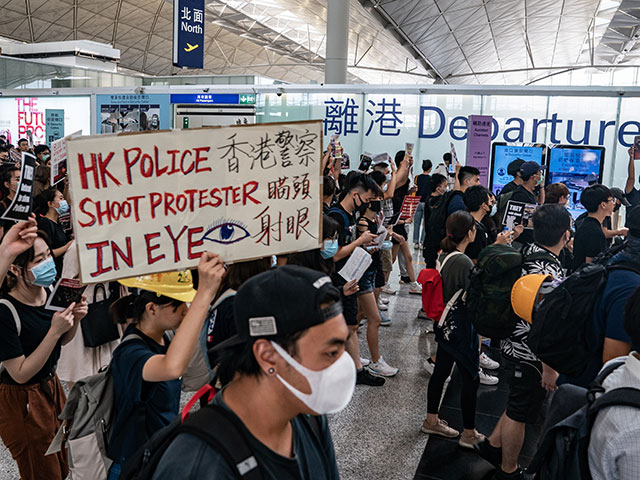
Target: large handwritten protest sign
{"points": [[153, 202]]}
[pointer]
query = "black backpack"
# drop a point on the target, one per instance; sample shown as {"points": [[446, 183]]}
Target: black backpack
{"points": [[438, 216], [489, 292], [561, 331], [503, 200], [214, 425], [563, 452]]}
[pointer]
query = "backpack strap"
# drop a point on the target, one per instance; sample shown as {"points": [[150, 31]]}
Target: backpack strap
{"points": [[455, 253], [621, 397], [220, 429], [16, 319], [14, 312], [313, 422], [342, 213]]}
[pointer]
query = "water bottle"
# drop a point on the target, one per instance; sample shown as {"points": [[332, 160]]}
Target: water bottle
{"points": [[506, 230]]}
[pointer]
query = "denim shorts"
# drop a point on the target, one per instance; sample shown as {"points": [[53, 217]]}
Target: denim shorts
{"points": [[367, 281]]}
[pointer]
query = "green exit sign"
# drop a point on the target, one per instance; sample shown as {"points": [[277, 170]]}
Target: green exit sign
{"points": [[185, 122], [247, 99]]}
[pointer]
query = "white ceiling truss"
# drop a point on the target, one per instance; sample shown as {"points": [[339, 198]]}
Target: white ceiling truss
{"points": [[390, 41]]}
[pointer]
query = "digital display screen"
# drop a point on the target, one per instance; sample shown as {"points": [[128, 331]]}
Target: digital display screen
{"points": [[577, 167], [503, 154]]}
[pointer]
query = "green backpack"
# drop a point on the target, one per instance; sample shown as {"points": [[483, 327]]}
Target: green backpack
{"points": [[489, 292]]}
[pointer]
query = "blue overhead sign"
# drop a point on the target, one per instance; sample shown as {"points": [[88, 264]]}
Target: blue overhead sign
{"points": [[206, 98], [188, 33]]}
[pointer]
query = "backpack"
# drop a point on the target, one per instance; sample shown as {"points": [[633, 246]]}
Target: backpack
{"points": [[563, 452], [16, 319], [438, 216], [561, 331], [489, 291], [87, 422], [212, 424], [432, 296]]}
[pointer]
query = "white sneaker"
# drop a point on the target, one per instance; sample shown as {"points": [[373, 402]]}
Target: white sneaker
{"points": [[486, 379], [388, 290], [382, 368], [364, 361], [488, 363], [415, 288], [382, 307], [384, 300]]}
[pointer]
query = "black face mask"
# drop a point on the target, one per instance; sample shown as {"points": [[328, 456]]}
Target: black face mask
{"points": [[362, 207], [375, 206]]}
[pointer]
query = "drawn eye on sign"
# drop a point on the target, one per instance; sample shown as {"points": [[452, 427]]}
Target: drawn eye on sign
{"points": [[226, 232]]}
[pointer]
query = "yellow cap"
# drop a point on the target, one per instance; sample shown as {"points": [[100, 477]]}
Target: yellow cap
{"points": [[525, 293], [176, 285]]}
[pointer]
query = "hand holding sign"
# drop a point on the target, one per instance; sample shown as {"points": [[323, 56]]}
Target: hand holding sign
{"points": [[210, 272], [20, 237]]}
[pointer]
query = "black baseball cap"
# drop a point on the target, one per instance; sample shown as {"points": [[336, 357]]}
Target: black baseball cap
{"points": [[527, 169], [280, 302], [619, 194], [633, 221], [514, 167]]}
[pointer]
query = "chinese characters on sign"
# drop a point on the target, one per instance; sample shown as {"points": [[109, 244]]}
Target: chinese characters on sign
{"points": [[479, 145], [154, 202], [383, 118], [54, 120], [188, 33]]}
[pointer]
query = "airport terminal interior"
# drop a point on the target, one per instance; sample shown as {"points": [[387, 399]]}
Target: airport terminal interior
{"points": [[429, 205]]}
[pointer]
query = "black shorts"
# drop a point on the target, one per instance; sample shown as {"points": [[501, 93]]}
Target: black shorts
{"points": [[379, 281], [349, 304], [526, 395], [400, 230]]}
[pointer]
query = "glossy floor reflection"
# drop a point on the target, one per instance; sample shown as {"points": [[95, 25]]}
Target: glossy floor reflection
{"points": [[444, 459]]}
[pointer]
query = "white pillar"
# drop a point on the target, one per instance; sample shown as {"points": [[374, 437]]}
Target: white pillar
{"points": [[335, 70]]}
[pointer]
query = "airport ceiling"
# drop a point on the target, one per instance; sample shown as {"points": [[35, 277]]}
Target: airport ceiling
{"points": [[391, 41]]}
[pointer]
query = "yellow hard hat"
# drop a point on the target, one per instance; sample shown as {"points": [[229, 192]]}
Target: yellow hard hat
{"points": [[525, 293], [176, 285]]}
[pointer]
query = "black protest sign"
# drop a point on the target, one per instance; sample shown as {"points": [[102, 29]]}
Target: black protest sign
{"points": [[20, 207], [518, 213]]}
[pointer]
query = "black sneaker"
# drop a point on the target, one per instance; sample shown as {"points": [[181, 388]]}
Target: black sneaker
{"points": [[405, 279], [491, 454], [517, 475], [364, 377]]}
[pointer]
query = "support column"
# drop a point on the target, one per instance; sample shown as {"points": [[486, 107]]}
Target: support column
{"points": [[335, 70]]}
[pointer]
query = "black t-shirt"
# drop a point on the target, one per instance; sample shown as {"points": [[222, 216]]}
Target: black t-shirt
{"points": [[57, 237], [521, 194], [346, 233], [35, 322], [190, 458], [424, 186], [509, 187], [481, 241], [221, 323], [5, 224], [398, 197], [589, 241]]}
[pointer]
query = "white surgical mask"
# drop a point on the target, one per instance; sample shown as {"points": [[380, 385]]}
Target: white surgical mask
{"points": [[494, 210], [331, 388]]}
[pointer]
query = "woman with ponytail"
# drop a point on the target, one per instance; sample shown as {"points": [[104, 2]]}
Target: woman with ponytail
{"points": [[455, 334], [146, 367]]}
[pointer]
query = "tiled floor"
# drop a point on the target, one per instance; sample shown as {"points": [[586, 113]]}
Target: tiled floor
{"points": [[377, 437]]}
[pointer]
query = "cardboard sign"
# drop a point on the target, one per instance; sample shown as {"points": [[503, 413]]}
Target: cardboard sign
{"points": [[21, 205], [59, 158], [409, 206], [153, 202], [518, 213]]}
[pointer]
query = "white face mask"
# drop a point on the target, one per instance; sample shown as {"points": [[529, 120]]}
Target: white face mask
{"points": [[331, 388]]}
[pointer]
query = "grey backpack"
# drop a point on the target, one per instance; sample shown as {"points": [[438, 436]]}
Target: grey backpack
{"points": [[87, 420]]}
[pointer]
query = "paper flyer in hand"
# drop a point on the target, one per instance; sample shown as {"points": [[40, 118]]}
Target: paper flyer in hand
{"points": [[357, 264]]}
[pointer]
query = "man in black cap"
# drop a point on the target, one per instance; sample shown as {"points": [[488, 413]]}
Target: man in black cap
{"points": [[608, 316], [531, 175], [513, 169], [287, 360]]}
